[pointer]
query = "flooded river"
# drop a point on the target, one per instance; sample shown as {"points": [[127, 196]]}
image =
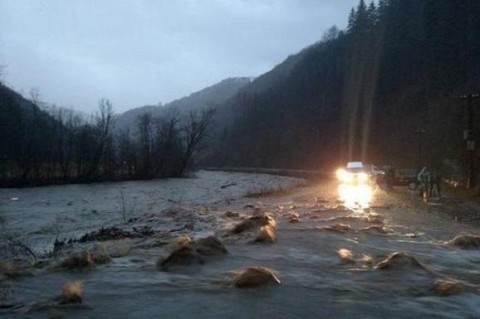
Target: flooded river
{"points": [[332, 261], [40, 214]]}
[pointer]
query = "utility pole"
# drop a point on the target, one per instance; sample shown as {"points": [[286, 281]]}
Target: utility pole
{"points": [[468, 135], [421, 133]]}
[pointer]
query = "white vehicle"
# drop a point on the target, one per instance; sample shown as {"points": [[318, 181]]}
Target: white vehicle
{"points": [[354, 173]]}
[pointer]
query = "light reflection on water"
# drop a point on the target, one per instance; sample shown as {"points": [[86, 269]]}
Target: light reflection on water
{"points": [[355, 195]]}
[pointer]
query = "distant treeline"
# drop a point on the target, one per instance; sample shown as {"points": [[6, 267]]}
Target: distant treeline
{"points": [[40, 146], [386, 90]]}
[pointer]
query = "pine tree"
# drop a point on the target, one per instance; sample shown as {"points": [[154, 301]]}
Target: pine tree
{"points": [[351, 20]]}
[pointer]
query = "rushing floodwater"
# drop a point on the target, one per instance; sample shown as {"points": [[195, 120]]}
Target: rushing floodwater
{"points": [[40, 213], [316, 283]]}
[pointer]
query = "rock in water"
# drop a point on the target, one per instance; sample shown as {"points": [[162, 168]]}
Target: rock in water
{"points": [[399, 260], [71, 293], [178, 242], [447, 287], [294, 218], [346, 256], [243, 226], [190, 253], [100, 255], [255, 277], [465, 242], [184, 256], [340, 228], [376, 229], [13, 271], [210, 246], [265, 234], [253, 222], [230, 214], [77, 260], [270, 221], [375, 218]]}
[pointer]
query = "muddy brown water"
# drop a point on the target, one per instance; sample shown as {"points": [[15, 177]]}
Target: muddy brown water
{"points": [[315, 282]]}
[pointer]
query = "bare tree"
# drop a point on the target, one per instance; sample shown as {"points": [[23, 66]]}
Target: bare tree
{"points": [[103, 125], [194, 130], [67, 125], [126, 153], [145, 144], [166, 145]]}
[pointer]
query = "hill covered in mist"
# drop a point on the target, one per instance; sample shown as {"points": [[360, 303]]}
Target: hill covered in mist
{"points": [[211, 96]]}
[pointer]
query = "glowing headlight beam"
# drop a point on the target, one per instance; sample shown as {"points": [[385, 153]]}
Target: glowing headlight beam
{"points": [[362, 178], [341, 174], [355, 195]]}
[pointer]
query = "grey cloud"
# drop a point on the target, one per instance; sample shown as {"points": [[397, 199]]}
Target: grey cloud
{"points": [[143, 52]]}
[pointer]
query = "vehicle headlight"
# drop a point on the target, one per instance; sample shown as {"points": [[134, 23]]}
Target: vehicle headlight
{"points": [[362, 177], [348, 177], [341, 174]]}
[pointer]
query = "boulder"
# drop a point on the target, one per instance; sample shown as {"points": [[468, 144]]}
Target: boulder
{"points": [[465, 242], [210, 246], [377, 229], [100, 255], [13, 271], [178, 242], [447, 287], [77, 260], [189, 253], [243, 226], [399, 260], [184, 256], [255, 221], [255, 277], [71, 293], [294, 218], [339, 228], [346, 256], [266, 234], [375, 218], [366, 260], [230, 214]]}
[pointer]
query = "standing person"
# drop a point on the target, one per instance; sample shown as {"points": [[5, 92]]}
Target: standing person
{"points": [[424, 181], [435, 184]]}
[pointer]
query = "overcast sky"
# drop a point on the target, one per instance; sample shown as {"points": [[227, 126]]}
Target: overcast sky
{"points": [[139, 52]]}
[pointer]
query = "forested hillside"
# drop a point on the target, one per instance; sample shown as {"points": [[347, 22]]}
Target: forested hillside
{"points": [[48, 144], [385, 90]]}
